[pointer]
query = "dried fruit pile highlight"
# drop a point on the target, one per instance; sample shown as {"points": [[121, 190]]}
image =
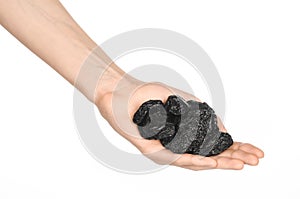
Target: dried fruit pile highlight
{"points": [[182, 126]]}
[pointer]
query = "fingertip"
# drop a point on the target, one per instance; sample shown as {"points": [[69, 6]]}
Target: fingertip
{"points": [[239, 166], [249, 148], [260, 154], [253, 162]]}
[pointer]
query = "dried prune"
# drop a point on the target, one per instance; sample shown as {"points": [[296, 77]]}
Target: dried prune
{"points": [[155, 118], [166, 132], [223, 142], [176, 105], [141, 116], [182, 126]]}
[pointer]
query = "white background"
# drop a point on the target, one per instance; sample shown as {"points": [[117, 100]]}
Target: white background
{"points": [[255, 46]]}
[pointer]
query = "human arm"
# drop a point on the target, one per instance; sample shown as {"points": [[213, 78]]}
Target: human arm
{"points": [[46, 28], [49, 31]]}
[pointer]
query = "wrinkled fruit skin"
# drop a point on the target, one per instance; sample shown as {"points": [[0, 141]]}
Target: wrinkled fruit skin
{"points": [[182, 126]]}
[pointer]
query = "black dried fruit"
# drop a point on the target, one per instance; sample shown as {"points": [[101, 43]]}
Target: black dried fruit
{"points": [[166, 132], [182, 126], [223, 143], [176, 105], [141, 116], [155, 117]]}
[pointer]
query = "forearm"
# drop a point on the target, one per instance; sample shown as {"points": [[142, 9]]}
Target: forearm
{"points": [[46, 28]]}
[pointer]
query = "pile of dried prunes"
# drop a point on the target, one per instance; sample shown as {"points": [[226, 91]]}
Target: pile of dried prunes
{"points": [[182, 126]]}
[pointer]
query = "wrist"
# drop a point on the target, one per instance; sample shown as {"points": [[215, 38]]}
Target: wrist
{"points": [[98, 75], [108, 81]]}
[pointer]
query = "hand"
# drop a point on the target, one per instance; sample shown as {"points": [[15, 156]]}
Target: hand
{"points": [[65, 46], [119, 106]]}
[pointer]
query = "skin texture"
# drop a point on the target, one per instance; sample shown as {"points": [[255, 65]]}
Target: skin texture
{"points": [[47, 29]]}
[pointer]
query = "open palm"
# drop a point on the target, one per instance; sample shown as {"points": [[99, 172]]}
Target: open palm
{"points": [[119, 107]]}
